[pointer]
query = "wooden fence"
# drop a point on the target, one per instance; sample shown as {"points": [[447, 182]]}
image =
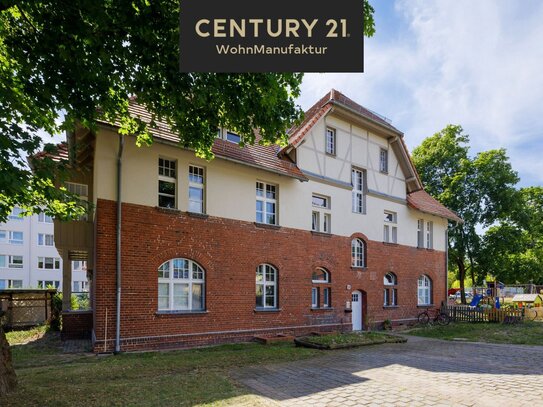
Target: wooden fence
{"points": [[465, 313], [25, 307]]}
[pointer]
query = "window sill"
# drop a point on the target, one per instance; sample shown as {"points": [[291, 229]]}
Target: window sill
{"points": [[197, 215], [258, 309], [390, 244], [426, 306], [267, 226], [322, 234], [390, 306], [173, 312], [358, 268], [322, 309], [167, 210], [330, 154]]}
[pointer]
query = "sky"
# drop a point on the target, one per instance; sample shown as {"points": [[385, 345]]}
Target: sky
{"points": [[478, 64]]}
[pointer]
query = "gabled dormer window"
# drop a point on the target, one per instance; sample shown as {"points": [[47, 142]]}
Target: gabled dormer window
{"points": [[233, 137]]}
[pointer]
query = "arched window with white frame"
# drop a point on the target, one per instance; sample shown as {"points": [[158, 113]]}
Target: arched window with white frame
{"points": [[181, 286], [358, 253], [424, 292], [266, 286], [321, 291], [390, 282]]}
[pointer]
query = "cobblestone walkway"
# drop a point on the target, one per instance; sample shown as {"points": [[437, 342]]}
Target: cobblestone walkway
{"points": [[421, 372]]}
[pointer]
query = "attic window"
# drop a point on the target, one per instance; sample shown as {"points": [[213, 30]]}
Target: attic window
{"points": [[233, 137], [330, 141], [383, 161]]}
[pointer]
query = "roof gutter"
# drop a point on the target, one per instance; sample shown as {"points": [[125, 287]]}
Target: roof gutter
{"points": [[118, 254]]}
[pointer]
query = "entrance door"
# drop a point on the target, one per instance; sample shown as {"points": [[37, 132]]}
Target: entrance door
{"points": [[356, 305]]}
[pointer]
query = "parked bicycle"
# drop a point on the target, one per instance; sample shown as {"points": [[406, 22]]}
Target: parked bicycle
{"points": [[438, 317]]}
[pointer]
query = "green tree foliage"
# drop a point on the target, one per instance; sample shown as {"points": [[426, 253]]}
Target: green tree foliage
{"points": [[480, 189], [86, 58], [512, 250]]}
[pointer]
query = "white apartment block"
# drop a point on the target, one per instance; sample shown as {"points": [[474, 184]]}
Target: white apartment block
{"points": [[29, 258]]}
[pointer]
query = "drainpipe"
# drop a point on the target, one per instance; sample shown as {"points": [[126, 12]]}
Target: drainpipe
{"points": [[118, 254], [447, 264]]}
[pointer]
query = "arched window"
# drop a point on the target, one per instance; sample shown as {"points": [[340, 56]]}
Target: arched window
{"points": [[266, 286], [424, 290], [391, 292], [181, 286], [321, 292], [358, 253]]}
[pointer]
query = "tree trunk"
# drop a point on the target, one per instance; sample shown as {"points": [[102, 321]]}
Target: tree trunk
{"points": [[8, 379], [461, 276]]}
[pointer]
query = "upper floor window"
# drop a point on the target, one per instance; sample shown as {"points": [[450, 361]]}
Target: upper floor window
{"points": [[50, 263], [196, 189], [12, 262], [181, 286], [429, 235], [321, 217], [424, 293], [266, 286], [266, 203], [358, 253], [390, 230], [15, 214], [79, 265], [420, 233], [167, 181], [330, 141], [383, 160], [233, 137], [43, 218], [80, 286], [357, 180], [45, 239], [11, 237], [321, 291], [391, 292]]}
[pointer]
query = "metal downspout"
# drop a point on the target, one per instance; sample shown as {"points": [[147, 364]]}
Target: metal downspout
{"points": [[118, 254]]}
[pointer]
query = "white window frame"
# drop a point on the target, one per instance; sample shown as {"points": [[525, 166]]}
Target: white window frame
{"points": [[43, 261], [314, 297], [10, 283], [429, 235], [420, 233], [265, 282], [196, 173], [390, 228], [9, 261], [390, 290], [170, 274], [15, 212], [330, 141], [45, 238], [321, 217], [8, 236], [326, 300], [79, 265], [358, 253], [424, 290], [44, 283], [383, 160], [235, 135], [43, 218], [264, 199], [167, 174], [326, 273], [358, 192]]}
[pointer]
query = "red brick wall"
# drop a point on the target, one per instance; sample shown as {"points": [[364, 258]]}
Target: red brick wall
{"points": [[230, 251], [76, 325]]}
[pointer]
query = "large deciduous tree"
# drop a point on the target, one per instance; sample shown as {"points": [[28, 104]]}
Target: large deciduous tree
{"points": [[512, 250], [68, 61], [480, 189]]}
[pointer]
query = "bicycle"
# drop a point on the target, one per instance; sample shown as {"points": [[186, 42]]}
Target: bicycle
{"points": [[441, 318]]}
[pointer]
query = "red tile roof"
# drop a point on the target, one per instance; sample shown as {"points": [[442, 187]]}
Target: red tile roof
{"points": [[259, 156], [423, 202], [59, 155]]}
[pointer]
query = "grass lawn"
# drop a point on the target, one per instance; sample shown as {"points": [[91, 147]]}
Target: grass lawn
{"points": [[526, 333], [180, 378]]}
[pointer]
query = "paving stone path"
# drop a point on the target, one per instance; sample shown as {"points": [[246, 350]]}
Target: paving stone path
{"points": [[421, 372]]}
